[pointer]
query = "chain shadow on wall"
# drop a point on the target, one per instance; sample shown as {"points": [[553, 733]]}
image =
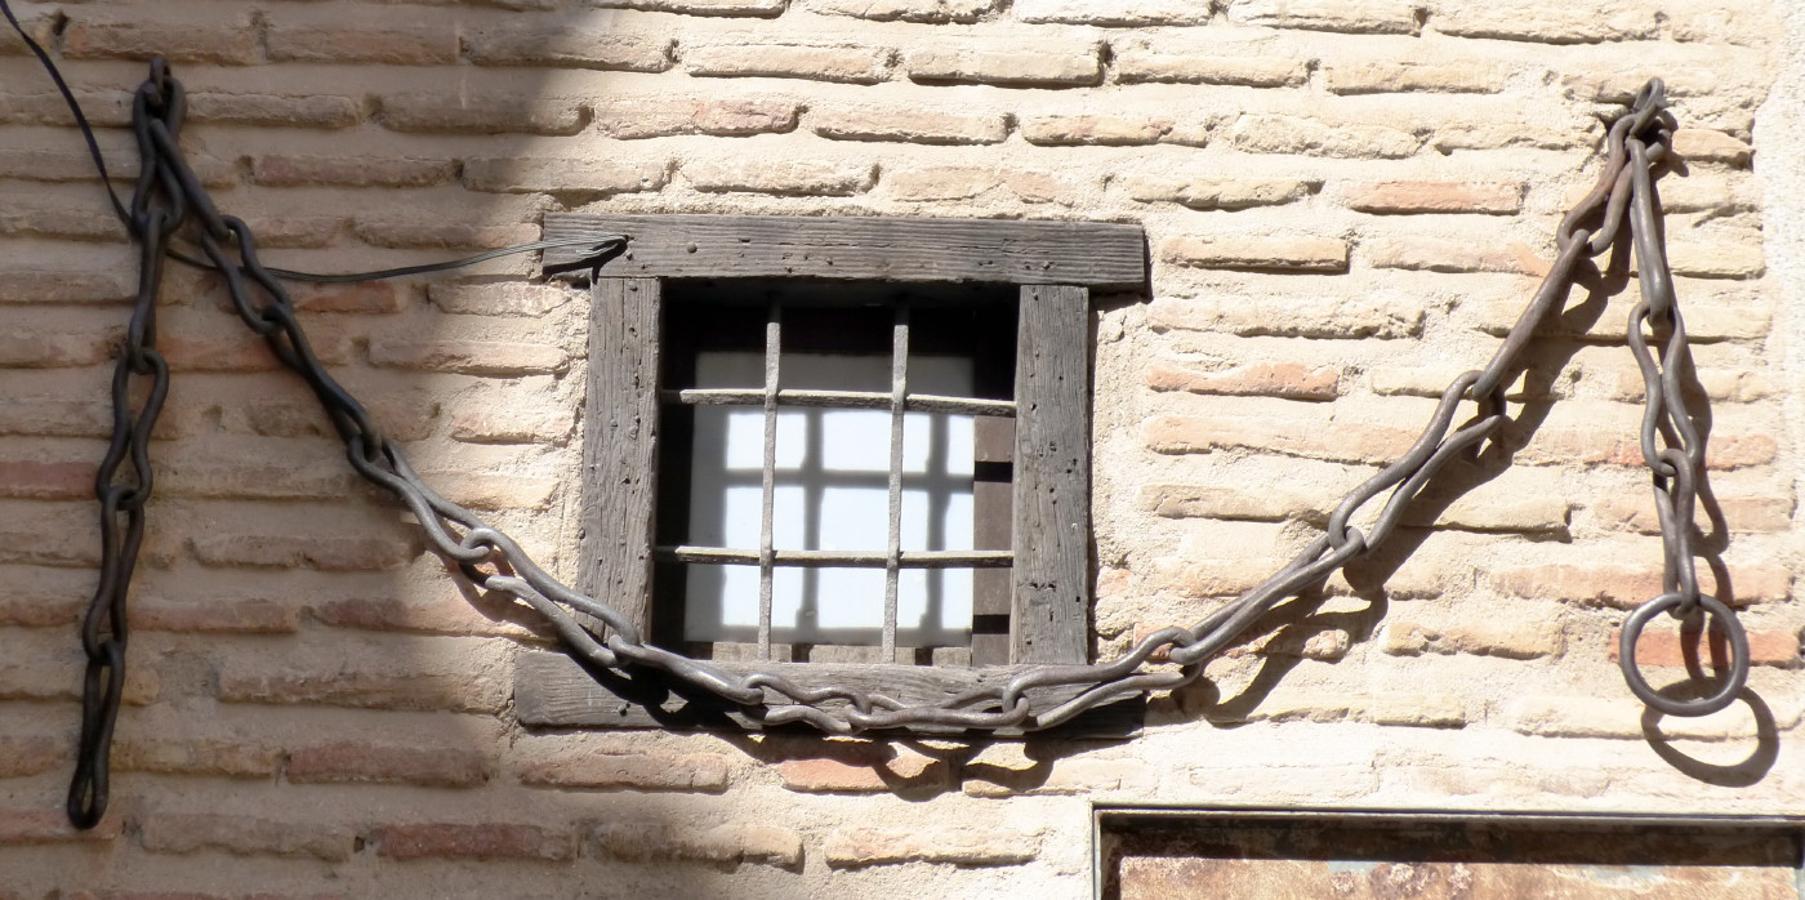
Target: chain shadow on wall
{"points": [[1293, 623]]}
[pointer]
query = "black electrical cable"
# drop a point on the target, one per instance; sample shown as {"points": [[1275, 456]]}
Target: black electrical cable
{"points": [[599, 247]]}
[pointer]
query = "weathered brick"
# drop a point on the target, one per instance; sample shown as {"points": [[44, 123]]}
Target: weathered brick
{"points": [[22, 755], [275, 110], [907, 123], [1018, 63], [568, 47], [1380, 315], [1453, 255], [32, 479], [1523, 20], [1413, 77], [1495, 134], [508, 298], [1352, 16], [468, 357], [1413, 634], [57, 218], [39, 27], [369, 297], [226, 352], [511, 423], [497, 114], [629, 771], [66, 286], [732, 842], [1357, 442], [178, 36], [213, 616], [488, 840], [1217, 193], [699, 7], [422, 43], [350, 171], [1114, 12], [34, 349], [862, 768], [578, 176], [1294, 381], [48, 165], [1594, 716], [286, 551], [1266, 133], [360, 761], [791, 177], [1663, 645], [495, 491], [63, 533], [1006, 769], [467, 683], [40, 597], [848, 61], [1704, 145], [644, 117], [1717, 259], [404, 415], [435, 615], [168, 832], [50, 825], [1257, 252], [1105, 130], [1539, 511], [963, 844], [1628, 585], [217, 758], [941, 183], [1252, 63], [1746, 515], [1269, 503], [103, 108], [443, 234], [1434, 196], [929, 11]]}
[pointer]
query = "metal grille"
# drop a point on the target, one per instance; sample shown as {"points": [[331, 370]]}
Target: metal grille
{"points": [[897, 401]]}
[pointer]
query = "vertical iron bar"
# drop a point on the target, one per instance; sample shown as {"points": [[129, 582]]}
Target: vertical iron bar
{"points": [[899, 384], [766, 555]]}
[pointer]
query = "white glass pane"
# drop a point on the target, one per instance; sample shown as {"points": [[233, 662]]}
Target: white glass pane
{"points": [[831, 493]]}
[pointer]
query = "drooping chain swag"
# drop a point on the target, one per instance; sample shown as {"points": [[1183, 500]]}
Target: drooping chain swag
{"points": [[169, 199]]}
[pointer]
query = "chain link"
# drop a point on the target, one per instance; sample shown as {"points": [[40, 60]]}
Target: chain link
{"points": [[168, 193]]}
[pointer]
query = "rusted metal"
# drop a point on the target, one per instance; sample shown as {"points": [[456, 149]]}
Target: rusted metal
{"points": [[168, 192]]}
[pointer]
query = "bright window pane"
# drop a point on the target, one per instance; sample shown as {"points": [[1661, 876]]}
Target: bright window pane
{"points": [[831, 493]]}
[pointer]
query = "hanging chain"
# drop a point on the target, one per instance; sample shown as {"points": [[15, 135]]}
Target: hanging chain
{"points": [[159, 207], [1639, 150]]}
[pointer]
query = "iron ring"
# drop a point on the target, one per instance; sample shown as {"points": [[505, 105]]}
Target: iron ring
{"points": [[1704, 706]]}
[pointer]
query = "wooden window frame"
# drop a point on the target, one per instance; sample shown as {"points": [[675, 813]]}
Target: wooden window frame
{"points": [[1055, 266]]}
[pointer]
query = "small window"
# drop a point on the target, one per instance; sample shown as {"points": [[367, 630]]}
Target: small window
{"points": [[835, 465], [854, 447]]}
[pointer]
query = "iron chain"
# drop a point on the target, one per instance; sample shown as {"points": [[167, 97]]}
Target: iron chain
{"points": [[168, 194]]}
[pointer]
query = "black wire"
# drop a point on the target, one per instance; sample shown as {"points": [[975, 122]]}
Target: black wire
{"points": [[598, 246]]}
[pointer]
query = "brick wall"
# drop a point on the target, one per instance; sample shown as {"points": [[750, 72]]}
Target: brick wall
{"points": [[1347, 202]]}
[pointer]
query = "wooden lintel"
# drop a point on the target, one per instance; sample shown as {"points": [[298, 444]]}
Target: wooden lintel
{"points": [[1098, 255]]}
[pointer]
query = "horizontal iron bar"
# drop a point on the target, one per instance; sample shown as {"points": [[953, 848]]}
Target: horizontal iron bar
{"points": [[970, 406], [908, 559]]}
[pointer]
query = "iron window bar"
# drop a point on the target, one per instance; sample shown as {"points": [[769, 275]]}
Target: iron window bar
{"points": [[897, 401], [928, 403], [907, 559]]}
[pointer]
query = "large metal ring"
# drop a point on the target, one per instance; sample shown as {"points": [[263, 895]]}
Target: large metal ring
{"points": [[1704, 706]]}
